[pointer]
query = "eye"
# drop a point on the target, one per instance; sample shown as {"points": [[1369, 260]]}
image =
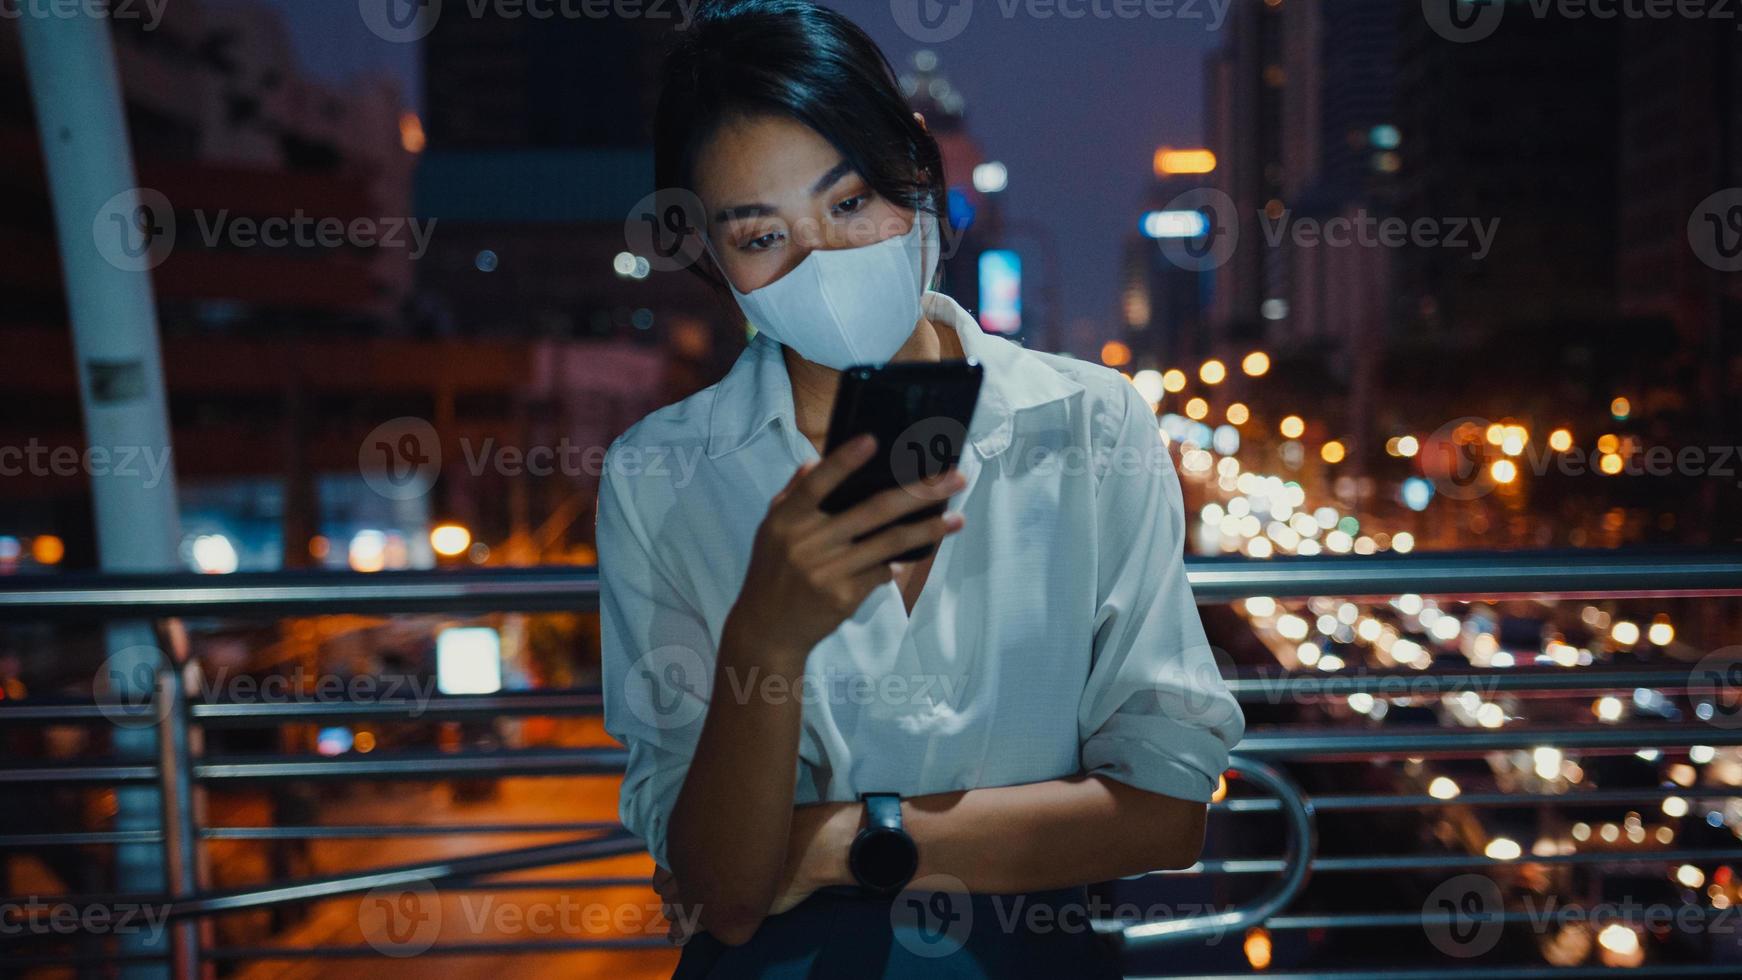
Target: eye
{"points": [[761, 243], [853, 204]]}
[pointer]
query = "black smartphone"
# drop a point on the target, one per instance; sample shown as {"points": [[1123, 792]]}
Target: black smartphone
{"points": [[919, 412]]}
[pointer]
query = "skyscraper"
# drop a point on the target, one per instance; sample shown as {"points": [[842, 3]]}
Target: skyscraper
{"points": [[1243, 83]]}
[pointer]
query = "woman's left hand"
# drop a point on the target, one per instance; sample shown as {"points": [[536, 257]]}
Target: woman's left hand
{"points": [[681, 917]]}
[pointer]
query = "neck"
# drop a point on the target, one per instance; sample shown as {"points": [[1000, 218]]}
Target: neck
{"points": [[814, 386]]}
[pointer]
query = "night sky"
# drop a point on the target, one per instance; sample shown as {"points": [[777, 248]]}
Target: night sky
{"points": [[1073, 107]]}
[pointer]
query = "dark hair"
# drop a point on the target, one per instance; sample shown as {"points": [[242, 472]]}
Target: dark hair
{"points": [[808, 63]]}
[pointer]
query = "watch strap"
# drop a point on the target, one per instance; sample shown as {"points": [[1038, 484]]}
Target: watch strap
{"points": [[882, 810]]}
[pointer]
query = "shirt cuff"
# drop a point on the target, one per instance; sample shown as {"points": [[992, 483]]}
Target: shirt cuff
{"points": [[1189, 769]]}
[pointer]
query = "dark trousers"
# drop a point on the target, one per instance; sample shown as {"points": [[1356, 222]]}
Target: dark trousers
{"points": [[842, 933]]}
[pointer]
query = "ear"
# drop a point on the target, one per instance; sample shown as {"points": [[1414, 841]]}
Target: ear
{"points": [[919, 117]]}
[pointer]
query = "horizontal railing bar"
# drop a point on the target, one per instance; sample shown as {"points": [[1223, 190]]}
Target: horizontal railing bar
{"points": [[97, 773], [1562, 573], [1419, 862], [293, 708], [1439, 682], [49, 960], [450, 885], [1416, 801], [1464, 970], [576, 588], [79, 838], [1272, 743], [1292, 743], [419, 765], [67, 711], [588, 701], [549, 884], [248, 953], [1407, 862], [546, 946], [556, 588], [1558, 915], [361, 831], [407, 875]]}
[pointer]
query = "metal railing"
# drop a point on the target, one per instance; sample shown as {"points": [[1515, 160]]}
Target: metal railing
{"points": [[1256, 763]]}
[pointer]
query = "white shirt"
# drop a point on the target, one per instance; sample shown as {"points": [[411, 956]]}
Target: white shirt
{"points": [[1055, 634]]}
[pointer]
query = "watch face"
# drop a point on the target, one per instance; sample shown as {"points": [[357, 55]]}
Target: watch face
{"points": [[884, 859]]}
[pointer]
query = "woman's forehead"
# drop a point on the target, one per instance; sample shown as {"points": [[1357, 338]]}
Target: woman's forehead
{"points": [[763, 160]]}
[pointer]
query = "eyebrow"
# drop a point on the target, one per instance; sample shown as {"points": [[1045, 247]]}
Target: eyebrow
{"points": [[823, 183]]}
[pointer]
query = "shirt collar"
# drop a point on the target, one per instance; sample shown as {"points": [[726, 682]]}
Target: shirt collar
{"points": [[757, 390]]}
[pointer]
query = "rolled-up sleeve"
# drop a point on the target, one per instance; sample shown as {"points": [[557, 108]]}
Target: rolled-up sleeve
{"points": [[1155, 713], [658, 657]]}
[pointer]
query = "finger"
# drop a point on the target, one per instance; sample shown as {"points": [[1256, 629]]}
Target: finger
{"points": [[872, 578], [878, 550], [835, 467], [678, 934], [891, 504]]}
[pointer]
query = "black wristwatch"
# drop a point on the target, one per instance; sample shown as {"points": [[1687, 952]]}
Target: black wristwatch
{"points": [[883, 858]]}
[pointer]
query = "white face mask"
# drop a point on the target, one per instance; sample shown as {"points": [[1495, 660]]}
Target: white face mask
{"points": [[843, 307]]}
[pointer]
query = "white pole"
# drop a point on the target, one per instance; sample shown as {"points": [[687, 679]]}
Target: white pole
{"points": [[71, 66], [108, 234]]}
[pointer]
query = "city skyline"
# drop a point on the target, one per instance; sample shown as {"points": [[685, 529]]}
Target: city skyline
{"points": [[1094, 125]]}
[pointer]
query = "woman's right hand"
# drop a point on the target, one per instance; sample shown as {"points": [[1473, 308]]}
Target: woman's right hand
{"points": [[807, 574]]}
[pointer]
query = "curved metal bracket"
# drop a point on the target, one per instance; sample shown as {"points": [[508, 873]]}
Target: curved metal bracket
{"points": [[1302, 842]]}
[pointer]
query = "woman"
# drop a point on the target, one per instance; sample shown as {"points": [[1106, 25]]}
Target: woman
{"points": [[1030, 708]]}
